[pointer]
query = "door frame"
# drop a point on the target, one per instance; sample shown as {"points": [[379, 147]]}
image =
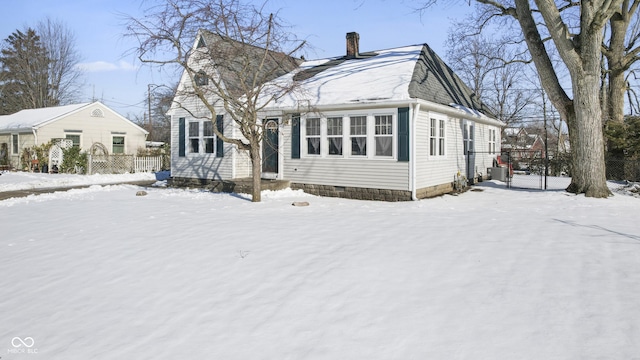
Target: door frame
{"points": [[273, 125]]}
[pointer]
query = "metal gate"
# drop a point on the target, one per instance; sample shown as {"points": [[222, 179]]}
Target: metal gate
{"points": [[532, 169]]}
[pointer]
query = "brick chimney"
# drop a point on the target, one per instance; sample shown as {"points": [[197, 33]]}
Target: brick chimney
{"points": [[353, 45]]}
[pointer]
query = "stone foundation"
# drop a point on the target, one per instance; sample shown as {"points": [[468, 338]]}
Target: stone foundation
{"points": [[239, 186], [353, 192], [244, 186], [433, 191]]}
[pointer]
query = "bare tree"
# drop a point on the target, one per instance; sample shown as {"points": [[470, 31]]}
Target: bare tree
{"points": [[238, 48], [161, 98], [65, 78], [495, 76]]}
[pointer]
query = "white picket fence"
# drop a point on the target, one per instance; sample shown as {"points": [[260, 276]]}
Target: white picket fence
{"points": [[147, 163], [120, 164]]}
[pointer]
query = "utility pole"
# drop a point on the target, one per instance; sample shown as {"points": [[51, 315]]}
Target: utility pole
{"points": [[149, 114]]}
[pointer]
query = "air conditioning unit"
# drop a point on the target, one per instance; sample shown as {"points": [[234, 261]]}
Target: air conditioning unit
{"points": [[498, 173]]}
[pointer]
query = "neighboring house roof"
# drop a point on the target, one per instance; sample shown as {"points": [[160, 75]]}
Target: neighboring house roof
{"points": [[403, 73], [30, 119]]}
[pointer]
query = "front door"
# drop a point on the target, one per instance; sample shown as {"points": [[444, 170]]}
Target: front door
{"points": [[270, 149]]}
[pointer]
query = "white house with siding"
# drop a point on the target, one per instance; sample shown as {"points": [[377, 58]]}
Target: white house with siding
{"points": [[394, 124], [85, 124]]}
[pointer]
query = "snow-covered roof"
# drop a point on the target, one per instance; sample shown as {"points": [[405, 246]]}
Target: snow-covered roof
{"points": [[383, 77], [30, 118]]}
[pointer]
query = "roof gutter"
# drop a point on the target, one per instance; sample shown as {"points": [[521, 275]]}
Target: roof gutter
{"points": [[424, 104], [16, 130], [454, 112]]}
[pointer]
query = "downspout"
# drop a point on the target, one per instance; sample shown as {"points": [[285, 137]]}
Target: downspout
{"points": [[35, 136], [412, 157]]}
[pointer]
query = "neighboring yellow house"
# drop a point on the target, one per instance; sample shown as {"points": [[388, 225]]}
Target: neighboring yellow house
{"points": [[85, 124]]}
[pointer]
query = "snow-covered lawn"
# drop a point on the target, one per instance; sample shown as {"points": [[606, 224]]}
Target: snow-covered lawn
{"points": [[100, 273], [10, 181]]}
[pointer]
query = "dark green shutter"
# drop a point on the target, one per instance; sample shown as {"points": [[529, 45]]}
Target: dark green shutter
{"points": [[403, 134], [219, 142], [181, 137], [295, 136]]}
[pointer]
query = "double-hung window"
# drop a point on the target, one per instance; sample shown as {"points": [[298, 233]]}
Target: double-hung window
{"points": [[334, 135], [313, 136], [384, 135], [117, 145], [433, 140], [358, 133], [436, 137], [441, 137], [194, 137], [201, 137], [208, 137], [74, 138]]}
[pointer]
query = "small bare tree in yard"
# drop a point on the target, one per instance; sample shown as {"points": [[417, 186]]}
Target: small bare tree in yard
{"points": [[238, 48]]}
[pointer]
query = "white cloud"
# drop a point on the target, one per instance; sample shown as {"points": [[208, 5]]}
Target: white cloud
{"points": [[102, 66]]}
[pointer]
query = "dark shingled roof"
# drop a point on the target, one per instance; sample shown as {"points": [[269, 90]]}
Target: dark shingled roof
{"points": [[240, 59], [434, 81]]}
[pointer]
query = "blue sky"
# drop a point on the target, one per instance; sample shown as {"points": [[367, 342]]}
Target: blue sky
{"points": [[119, 81]]}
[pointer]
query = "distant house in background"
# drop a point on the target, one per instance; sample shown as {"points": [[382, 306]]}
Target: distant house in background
{"points": [[394, 124], [521, 141], [525, 148], [85, 124]]}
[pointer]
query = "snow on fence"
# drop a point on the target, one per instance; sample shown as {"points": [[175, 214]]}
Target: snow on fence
{"points": [[120, 164]]}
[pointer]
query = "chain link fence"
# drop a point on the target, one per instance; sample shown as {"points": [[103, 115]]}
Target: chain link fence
{"points": [[532, 170], [623, 169]]}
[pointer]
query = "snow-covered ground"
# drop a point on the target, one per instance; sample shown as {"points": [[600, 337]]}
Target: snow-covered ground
{"points": [[99, 273], [10, 181]]}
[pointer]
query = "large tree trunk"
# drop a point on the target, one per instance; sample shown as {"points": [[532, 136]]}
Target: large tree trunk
{"points": [[617, 67], [256, 171], [587, 137], [583, 114], [585, 133]]}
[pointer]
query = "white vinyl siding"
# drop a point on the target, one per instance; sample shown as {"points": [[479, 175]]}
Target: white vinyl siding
{"points": [[432, 171], [95, 129], [346, 170], [234, 163]]}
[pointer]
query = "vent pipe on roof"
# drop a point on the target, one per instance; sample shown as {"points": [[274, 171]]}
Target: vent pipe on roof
{"points": [[353, 45]]}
